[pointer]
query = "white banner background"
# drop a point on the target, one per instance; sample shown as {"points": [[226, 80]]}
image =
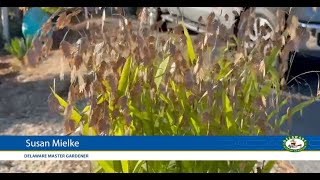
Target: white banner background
{"points": [[160, 155]]}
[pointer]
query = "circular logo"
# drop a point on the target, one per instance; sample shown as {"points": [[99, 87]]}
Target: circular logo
{"points": [[294, 143]]}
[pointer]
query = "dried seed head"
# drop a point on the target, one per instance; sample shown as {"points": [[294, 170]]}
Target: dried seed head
{"points": [[66, 48], [102, 125], [47, 46], [127, 118], [123, 102], [95, 115], [280, 25], [32, 57], [63, 20], [53, 104], [289, 47], [73, 94], [77, 60], [206, 117], [69, 126], [115, 113], [82, 45], [119, 63], [188, 79], [178, 30], [90, 63], [81, 83], [210, 18], [113, 84], [226, 17], [102, 67], [68, 111]]}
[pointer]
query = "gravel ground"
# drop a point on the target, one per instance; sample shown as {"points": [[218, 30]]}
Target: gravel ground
{"points": [[24, 111], [306, 166]]}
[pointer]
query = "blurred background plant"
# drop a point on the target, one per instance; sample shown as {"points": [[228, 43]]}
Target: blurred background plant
{"points": [[18, 47], [24, 23], [141, 83]]}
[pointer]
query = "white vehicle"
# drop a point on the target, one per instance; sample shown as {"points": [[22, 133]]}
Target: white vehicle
{"points": [[308, 17]]}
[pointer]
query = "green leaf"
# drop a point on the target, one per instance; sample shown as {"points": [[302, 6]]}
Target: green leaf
{"points": [[270, 61], [117, 166], [98, 170], [282, 120], [86, 127], [188, 166], [125, 166], [124, 79], [28, 41], [137, 167], [171, 122], [249, 166], [267, 167], [173, 85], [86, 109], [167, 100], [274, 112], [171, 165], [195, 126], [223, 166], [191, 54], [61, 101], [160, 71], [294, 110], [15, 44], [139, 114], [300, 106], [101, 98], [74, 114], [17, 47], [247, 93], [106, 85], [227, 109], [274, 73], [107, 166], [86, 131], [265, 90], [22, 47], [180, 120], [93, 132], [135, 76], [284, 102]]}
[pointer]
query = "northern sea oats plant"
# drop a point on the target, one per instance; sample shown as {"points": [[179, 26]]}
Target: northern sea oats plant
{"points": [[141, 82]]}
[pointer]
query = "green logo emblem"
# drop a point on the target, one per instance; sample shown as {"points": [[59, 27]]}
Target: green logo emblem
{"points": [[294, 143]]}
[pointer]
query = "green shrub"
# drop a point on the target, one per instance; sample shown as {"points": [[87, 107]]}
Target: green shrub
{"points": [[141, 83], [18, 47]]}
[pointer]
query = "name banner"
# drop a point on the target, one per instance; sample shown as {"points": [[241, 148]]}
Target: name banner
{"points": [[159, 148]]}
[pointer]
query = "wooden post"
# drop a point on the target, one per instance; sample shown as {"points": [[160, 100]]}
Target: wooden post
{"points": [[5, 23]]}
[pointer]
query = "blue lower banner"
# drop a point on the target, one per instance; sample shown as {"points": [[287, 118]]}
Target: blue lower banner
{"points": [[158, 143], [159, 148]]}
